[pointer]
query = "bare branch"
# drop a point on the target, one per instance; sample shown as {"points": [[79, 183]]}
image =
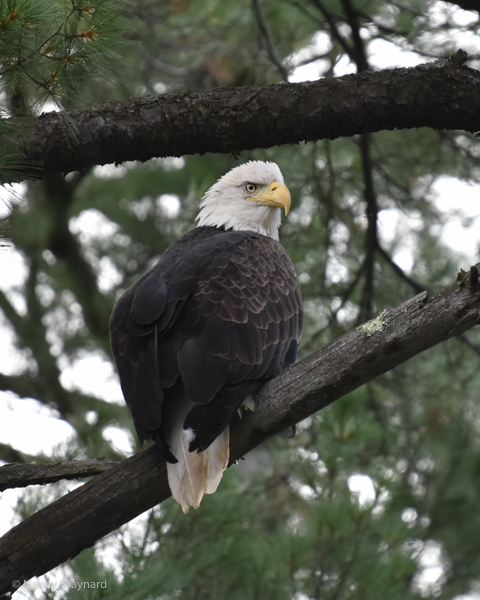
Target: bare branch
{"points": [[358, 51], [9, 454], [16, 475], [415, 285], [371, 235], [331, 20], [244, 118], [76, 521], [269, 41]]}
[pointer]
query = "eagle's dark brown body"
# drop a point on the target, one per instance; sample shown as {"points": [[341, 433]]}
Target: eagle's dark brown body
{"points": [[218, 315]]}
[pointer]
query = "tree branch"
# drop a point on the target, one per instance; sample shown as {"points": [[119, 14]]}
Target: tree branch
{"points": [[269, 41], [9, 454], [415, 285], [76, 521], [244, 118], [16, 475], [371, 235], [58, 194]]}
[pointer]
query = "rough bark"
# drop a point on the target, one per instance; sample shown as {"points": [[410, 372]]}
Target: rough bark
{"points": [[76, 521], [442, 95]]}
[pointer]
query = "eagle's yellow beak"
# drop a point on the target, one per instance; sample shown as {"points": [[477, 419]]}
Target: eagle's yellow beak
{"points": [[276, 194]]}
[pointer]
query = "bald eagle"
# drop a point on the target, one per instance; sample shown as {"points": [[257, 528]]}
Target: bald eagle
{"points": [[217, 316]]}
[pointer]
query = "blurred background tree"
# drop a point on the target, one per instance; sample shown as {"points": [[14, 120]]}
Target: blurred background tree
{"points": [[378, 495]]}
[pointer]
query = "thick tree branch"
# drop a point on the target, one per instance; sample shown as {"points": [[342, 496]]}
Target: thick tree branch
{"points": [[76, 521], [232, 120]]}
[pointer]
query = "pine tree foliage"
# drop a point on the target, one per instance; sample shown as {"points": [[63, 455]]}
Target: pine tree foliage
{"points": [[49, 49], [286, 523]]}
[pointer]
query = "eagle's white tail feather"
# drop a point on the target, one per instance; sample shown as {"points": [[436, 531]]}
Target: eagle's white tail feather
{"points": [[196, 473], [217, 460]]}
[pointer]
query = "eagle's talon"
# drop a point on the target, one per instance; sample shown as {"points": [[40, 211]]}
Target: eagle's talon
{"points": [[294, 431]]}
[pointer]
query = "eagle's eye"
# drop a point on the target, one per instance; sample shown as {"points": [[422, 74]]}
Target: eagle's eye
{"points": [[250, 188]]}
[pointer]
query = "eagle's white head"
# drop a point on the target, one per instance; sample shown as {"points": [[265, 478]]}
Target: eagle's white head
{"points": [[249, 197]]}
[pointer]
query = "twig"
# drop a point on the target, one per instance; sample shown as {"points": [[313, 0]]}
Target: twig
{"points": [[371, 237], [470, 344], [267, 35], [16, 475], [415, 285], [334, 29], [21, 61]]}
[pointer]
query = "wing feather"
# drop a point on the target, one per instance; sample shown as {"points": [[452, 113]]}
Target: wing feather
{"points": [[219, 314]]}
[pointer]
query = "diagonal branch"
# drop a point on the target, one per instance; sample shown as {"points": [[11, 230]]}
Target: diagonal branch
{"points": [[415, 285], [76, 521], [244, 118], [332, 23]]}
